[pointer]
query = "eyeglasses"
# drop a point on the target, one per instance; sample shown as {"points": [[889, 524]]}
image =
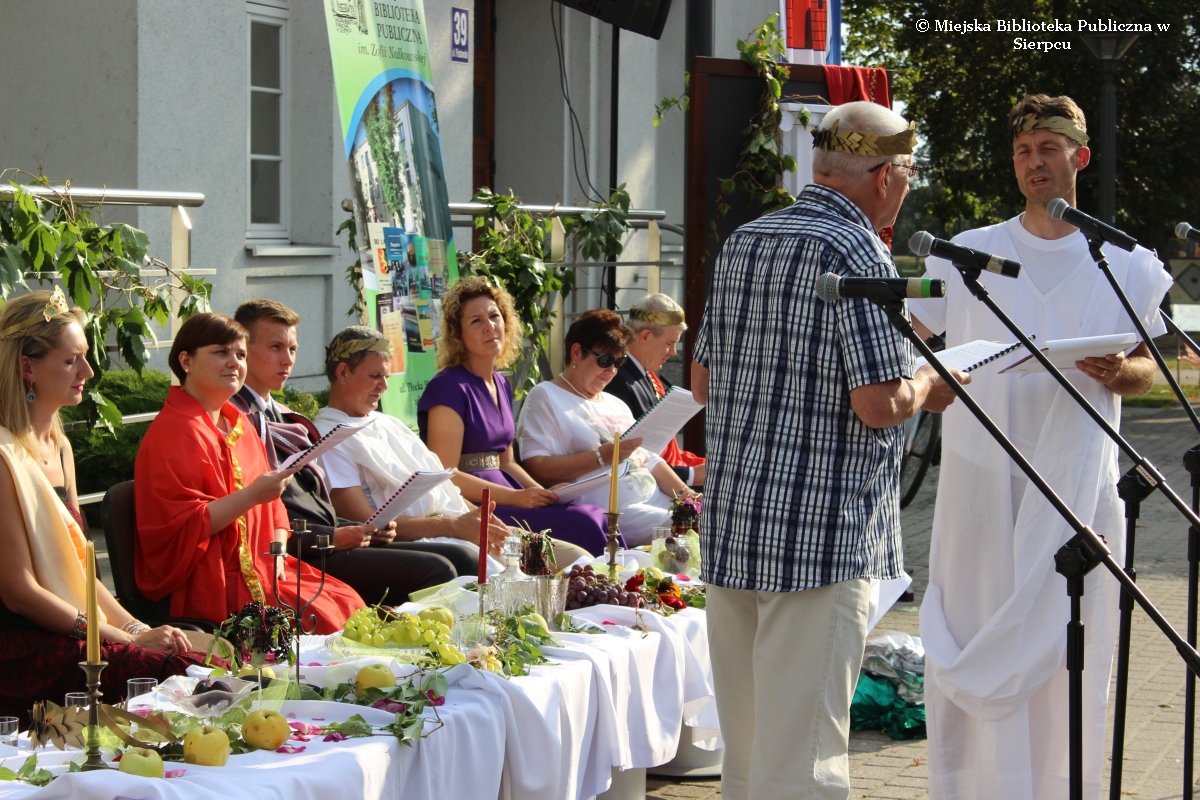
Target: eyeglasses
{"points": [[913, 170], [606, 360]]}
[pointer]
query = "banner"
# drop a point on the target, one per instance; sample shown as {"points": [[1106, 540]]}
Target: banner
{"points": [[384, 87]]}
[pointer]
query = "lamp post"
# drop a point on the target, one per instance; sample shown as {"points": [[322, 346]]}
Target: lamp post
{"points": [[1108, 48]]}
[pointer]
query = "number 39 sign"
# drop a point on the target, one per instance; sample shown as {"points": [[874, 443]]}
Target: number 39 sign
{"points": [[460, 35]]}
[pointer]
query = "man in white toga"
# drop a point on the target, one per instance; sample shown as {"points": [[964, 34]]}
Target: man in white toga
{"points": [[994, 617]]}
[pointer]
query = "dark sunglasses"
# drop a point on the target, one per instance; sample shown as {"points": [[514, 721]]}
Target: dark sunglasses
{"points": [[606, 360]]}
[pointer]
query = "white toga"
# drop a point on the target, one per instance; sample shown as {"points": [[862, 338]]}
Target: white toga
{"points": [[994, 617]]}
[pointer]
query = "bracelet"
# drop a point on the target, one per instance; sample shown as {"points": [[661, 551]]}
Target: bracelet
{"points": [[599, 458], [79, 630], [135, 627]]}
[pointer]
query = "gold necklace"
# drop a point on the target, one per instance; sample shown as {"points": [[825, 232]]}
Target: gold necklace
{"points": [[573, 389]]}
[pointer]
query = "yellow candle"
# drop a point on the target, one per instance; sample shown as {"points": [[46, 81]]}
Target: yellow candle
{"points": [[612, 486], [93, 609]]}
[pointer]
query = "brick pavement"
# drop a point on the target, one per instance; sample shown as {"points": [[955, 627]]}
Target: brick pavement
{"points": [[883, 768]]}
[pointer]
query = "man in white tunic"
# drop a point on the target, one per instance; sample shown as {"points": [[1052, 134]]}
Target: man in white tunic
{"points": [[994, 617]]}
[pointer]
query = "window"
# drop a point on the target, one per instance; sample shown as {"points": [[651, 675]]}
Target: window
{"points": [[268, 114]]}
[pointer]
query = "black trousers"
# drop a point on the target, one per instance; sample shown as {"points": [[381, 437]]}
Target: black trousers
{"points": [[396, 569]]}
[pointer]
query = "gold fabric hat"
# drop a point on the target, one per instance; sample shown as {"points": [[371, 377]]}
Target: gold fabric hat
{"points": [[866, 144], [667, 318], [341, 350], [57, 305], [1066, 127]]}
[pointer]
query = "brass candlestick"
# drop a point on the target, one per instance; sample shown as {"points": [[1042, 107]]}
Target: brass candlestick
{"points": [[614, 537], [94, 761]]}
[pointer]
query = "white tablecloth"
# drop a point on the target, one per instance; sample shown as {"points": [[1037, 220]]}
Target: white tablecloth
{"points": [[607, 701]]}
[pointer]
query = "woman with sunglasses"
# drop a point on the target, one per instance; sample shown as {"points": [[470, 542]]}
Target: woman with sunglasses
{"points": [[568, 425], [466, 417]]}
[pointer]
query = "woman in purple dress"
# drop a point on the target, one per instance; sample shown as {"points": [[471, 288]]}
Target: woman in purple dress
{"points": [[466, 417]]}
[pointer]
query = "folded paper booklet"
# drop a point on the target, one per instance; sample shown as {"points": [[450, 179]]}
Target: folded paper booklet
{"points": [[664, 420], [972, 355], [1063, 353], [412, 490], [339, 434], [573, 491]]}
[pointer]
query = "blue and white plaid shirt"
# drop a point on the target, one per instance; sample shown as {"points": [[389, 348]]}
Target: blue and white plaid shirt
{"points": [[799, 492]]}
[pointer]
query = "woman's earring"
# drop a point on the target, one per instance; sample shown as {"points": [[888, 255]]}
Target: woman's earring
{"points": [[30, 396]]}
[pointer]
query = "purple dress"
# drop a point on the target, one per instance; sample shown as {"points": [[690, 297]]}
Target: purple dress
{"points": [[488, 428]]}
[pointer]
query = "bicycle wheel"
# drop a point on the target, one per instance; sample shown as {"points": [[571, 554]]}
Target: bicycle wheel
{"points": [[919, 453]]}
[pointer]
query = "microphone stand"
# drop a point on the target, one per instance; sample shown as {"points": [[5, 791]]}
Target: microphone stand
{"points": [[1082, 553], [1191, 461]]}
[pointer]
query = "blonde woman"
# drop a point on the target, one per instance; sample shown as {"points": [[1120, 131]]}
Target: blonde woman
{"points": [[43, 367], [466, 417]]}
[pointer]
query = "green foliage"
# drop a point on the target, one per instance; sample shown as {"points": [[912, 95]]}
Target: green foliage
{"points": [[408, 701], [683, 102], [959, 87], [513, 251], [100, 267], [354, 273], [28, 773]]}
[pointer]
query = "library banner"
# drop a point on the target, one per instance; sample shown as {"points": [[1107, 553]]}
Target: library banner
{"points": [[384, 86]]}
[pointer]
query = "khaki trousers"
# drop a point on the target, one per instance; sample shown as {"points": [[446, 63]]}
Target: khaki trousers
{"points": [[785, 665]]}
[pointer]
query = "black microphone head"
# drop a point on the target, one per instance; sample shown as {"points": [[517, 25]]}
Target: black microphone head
{"points": [[920, 243], [827, 287], [1057, 207], [1182, 230]]}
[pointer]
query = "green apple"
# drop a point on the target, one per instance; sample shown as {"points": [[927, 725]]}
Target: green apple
{"points": [[373, 676], [536, 619], [140, 761], [206, 747], [267, 730], [438, 614]]}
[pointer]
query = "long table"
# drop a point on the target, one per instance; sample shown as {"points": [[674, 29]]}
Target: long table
{"points": [[621, 700]]}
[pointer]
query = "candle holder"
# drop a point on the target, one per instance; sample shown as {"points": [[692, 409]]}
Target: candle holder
{"points": [[277, 551], [614, 537], [92, 671]]}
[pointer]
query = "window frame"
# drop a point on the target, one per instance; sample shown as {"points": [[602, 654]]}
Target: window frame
{"points": [[276, 17]]}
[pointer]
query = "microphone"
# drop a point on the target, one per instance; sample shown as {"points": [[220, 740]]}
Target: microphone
{"points": [[831, 288], [1091, 227], [924, 244], [1185, 231]]}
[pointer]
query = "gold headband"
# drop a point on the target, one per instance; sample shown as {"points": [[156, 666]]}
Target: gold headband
{"points": [[57, 305], [342, 350], [656, 317], [866, 144], [1066, 127]]}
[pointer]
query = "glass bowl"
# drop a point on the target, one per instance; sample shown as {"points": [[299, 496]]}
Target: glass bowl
{"points": [[177, 690]]}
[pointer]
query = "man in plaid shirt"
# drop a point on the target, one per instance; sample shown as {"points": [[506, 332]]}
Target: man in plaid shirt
{"points": [[805, 400]]}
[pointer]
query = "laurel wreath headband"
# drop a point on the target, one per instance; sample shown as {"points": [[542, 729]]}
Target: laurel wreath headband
{"points": [[667, 318], [865, 144], [343, 349], [1066, 127]]}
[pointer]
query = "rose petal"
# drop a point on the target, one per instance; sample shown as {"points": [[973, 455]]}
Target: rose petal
{"points": [[287, 748], [291, 716], [295, 737], [682, 578], [305, 728], [336, 736], [174, 773]]}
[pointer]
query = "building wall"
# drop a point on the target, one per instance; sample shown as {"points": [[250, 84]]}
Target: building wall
{"points": [[70, 90]]}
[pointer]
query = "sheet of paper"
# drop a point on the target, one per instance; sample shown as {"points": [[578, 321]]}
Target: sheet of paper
{"points": [[664, 420], [326, 443], [1063, 353], [412, 491], [573, 491], [971, 355]]}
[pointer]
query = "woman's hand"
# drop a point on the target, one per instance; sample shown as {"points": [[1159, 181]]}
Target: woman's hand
{"points": [[467, 527], [532, 498], [270, 485], [164, 638], [627, 448]]}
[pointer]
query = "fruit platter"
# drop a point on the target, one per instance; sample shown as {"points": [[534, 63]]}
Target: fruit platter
{"points": [[204, 697]]}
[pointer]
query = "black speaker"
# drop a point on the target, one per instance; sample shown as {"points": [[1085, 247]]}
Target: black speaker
{"points": [[647, 17]]}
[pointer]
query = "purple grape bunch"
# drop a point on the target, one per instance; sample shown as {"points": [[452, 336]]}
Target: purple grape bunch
{"points": [[585, 589]]}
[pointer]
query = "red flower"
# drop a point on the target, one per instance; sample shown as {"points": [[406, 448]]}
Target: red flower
{"points": [[672, 602], [635, 583]]}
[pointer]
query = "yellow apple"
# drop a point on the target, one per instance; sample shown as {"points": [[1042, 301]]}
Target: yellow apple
{"points": [[248, 671], [373, 676], [206, 747], [266, 730], [140, 761], [438, 614]]}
